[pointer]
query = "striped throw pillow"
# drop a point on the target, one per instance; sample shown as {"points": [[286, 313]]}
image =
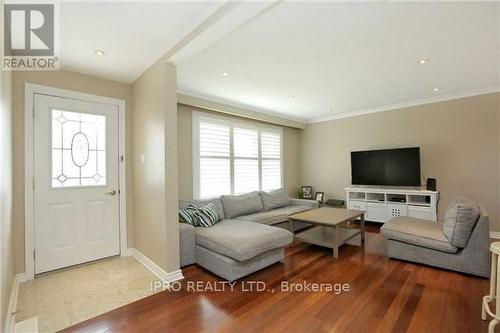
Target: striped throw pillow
{"points": [[207, 215], [188, 215]]}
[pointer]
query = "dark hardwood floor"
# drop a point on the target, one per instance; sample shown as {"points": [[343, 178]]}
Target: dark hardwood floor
{"points": [[385, 296]]}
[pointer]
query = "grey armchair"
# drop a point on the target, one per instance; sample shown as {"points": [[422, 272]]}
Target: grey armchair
{"points": [[424, 242]]}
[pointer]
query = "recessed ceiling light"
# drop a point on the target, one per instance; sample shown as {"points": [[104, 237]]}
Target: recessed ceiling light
{"points": [[224, 73], [100, 52], [292, 97], [328, 110], [423, 61], [436, 89]]}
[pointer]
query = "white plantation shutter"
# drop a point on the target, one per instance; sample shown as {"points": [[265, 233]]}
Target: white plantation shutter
{"points": [[271, 160], [246, 142], [214, 139], [214, 159], [271, 175], [215, 177], [271, 145], [234, 157], [246, 176], [246, 160]]}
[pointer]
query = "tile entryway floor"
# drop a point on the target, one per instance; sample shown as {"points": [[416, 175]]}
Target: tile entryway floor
{"points": [[66, 297]]}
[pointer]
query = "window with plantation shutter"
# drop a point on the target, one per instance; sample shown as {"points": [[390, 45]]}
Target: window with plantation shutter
{"points": [[214, 160], [271, 160], [246, 160], [234, 157]]}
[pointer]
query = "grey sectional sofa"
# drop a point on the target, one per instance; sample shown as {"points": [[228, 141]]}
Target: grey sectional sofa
{"points": [[425, 242], [251, 236]]}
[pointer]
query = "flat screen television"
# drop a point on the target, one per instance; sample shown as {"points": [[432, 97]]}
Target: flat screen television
{"points": [[390, 167]]}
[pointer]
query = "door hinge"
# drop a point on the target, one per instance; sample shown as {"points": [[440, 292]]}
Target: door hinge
{"points": [[119, 191], [33, 112], [121, 158], [34, 255]]}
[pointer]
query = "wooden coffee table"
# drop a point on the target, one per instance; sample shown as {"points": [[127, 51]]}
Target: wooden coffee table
{"points": [[332, 228]]}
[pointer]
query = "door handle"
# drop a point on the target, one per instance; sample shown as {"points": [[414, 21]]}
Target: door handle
{"points": [[111, 193]]}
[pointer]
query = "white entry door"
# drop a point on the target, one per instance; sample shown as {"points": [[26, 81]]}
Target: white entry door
{"points": [[76, 195]]}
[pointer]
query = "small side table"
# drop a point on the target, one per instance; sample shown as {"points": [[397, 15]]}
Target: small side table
{"points": [[494, 289]]}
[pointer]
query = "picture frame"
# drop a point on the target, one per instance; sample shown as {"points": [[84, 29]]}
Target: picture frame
{"points": [[320, 196], [307, 192]]}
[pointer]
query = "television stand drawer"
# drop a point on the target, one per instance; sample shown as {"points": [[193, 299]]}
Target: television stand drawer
{"points": [[357, 205], [420, 212], [376, 212]]}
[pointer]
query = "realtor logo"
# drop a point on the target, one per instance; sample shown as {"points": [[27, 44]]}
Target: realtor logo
{"points": [[29, 37]]}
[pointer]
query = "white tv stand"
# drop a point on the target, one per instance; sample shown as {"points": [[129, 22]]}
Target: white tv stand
{"points": [[382, 203]]}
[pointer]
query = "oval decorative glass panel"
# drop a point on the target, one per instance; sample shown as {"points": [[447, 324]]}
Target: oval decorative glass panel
{"points": [[80, 149]]}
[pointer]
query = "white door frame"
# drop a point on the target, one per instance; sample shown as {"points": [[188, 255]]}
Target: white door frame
{"points": [[30, 90]]}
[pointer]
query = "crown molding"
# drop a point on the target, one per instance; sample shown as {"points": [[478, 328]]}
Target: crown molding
{"points": [[222, 106], [393, 107], [236, 109]]}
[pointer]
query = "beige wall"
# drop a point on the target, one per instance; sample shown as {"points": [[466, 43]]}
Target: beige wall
{"points": [[156, 232], [459, 142], [6, 222], [291, 158], [69, 81]]}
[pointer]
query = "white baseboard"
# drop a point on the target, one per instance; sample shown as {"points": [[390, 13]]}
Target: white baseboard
{"points": [[27, 326], [495, 234], [129, 252], [157, 270], [10, 320]]}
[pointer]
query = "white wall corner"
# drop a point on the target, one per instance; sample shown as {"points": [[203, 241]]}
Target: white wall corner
{"points": [[129, 252], [10, 320], [164, 276]]}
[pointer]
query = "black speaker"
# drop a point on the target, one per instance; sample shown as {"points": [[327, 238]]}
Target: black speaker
{"points": [[431, 184]]}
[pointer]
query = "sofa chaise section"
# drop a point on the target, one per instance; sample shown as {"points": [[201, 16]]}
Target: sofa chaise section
{"points": [[232, 248], [242, 240], [231, 269], [248, 238]]}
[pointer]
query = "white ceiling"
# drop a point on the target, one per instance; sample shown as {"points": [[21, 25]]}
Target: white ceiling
{"points": [[347, 57], [134, 35]]}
